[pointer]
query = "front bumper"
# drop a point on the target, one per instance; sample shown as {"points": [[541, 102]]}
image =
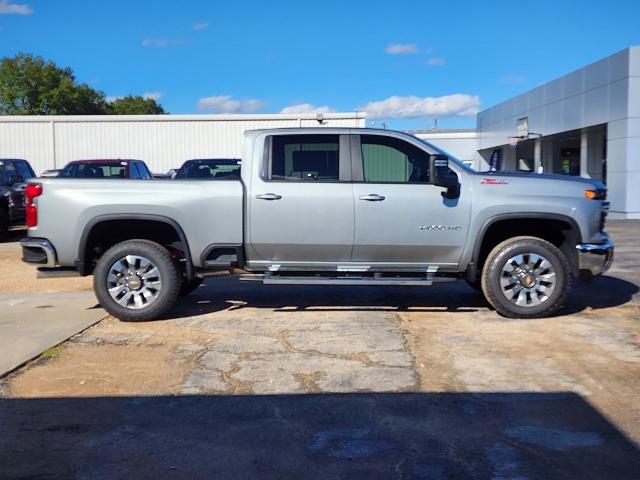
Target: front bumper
{"points": [[38, 251], [595, 258]]}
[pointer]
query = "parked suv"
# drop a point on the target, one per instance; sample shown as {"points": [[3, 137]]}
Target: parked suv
{"points": [[134, 169], [13, 175]]}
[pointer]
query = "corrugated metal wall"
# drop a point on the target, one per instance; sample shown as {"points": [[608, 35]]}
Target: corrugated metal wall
{"points": [[163, 142]]}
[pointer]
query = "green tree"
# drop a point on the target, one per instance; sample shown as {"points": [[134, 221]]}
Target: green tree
{"points": [[135, 105], [30, 85]]}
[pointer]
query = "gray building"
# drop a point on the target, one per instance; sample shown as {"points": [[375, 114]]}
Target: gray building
{"points": [[585, 123]]}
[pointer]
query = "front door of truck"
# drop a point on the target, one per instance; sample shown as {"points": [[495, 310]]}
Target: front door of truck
{"points": [[300, 206], [401, 219]]}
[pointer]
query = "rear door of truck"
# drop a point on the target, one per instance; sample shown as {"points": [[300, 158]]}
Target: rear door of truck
{"points": [[301, 202]]}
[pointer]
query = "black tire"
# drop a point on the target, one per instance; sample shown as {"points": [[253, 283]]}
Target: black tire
{"points": [[169, 275], [496, 261], [189, 286], [4, 224]]}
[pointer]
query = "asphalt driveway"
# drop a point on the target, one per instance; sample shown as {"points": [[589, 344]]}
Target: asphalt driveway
{"points": [[249, 381]]}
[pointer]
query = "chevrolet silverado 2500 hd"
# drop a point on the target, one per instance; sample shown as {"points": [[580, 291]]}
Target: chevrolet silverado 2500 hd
{"points": [[327, 207]]}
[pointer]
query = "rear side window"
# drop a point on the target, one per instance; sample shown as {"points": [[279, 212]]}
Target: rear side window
{"points": [[305, 158], [391, 160]]}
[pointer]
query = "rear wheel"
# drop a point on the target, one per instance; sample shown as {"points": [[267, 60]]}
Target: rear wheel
{"points": [[136, 280], [526, 277]]}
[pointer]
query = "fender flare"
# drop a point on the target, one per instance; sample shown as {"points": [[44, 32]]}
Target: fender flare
{"points": [[84, 269], [473, 264]]}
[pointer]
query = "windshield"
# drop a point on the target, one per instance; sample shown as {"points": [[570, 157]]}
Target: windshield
{"points": [[216, 168], [451, 158], [94, 170]]}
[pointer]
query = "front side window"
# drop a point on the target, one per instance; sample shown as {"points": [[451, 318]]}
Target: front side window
{"points": [[305, 158], [390, 160]]}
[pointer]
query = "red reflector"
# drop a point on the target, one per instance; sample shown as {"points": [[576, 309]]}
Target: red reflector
{"points": [[32, 191]]}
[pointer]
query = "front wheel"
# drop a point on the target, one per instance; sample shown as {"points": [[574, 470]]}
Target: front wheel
{"points": [[136, 280], [526, 277]]}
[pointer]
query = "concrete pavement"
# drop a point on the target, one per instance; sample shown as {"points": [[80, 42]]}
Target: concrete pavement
{"points": [[31, 323]]}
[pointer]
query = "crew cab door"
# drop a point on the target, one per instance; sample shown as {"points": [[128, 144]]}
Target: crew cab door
{"points": [[300, 203], [401, 219]]}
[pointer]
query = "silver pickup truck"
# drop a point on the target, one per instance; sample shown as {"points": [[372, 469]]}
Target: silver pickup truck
{"points": [[326, 207]]}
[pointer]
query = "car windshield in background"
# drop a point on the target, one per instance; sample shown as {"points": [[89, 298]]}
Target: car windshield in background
{"points": [[94, 170], [216, 169]]}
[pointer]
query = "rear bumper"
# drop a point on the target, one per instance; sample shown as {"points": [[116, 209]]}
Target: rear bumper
{"points": [[38, 251], [595, 258]]}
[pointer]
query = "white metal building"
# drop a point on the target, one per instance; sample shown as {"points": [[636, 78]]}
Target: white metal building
{"points": [[162, 141], [462, 143], [585, 123]]}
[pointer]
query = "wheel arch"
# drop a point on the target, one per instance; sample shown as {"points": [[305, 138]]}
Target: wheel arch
{"points": [[84, 259], [525, 223]]}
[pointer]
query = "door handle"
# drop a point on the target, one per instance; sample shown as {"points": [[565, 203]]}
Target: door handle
{"points": [[372, 197], [268, 196]]}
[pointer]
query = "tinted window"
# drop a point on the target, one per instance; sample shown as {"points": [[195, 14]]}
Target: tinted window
{"points": [[386, 159], [305, 158], [94, 170], [218, 169], [10, 173], [23, 170], [144, 171]]}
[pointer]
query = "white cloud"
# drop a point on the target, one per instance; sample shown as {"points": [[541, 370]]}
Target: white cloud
{"points": [[152, 95], [457, 105], [201, 26], [402, 49], [435, 61], [227, 104], [161, 42], [307, 108], [512, 79], [113, 98], [7, 8]]}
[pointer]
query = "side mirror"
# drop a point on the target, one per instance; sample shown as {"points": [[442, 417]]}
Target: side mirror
{"points": [[441, 175]]}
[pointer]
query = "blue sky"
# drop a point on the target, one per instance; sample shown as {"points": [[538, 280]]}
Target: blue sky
{"points": [[405, 61]]}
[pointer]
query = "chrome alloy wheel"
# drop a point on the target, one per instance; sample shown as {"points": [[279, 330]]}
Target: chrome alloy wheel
{"points": [[527, 279], [134, 282]]}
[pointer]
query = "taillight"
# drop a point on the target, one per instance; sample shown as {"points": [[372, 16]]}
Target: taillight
{"points": [[32, 191]]}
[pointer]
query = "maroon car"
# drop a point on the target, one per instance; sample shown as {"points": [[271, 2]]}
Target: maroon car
{"points": [[135, 169]]}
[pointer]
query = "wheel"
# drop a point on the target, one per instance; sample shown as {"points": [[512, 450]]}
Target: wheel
{"points": [[526, 277], [187, 287], [4, 224], [136, 280]]}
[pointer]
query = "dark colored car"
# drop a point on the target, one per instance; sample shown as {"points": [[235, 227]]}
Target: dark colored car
{"points": [[214, 168], [134, 169], [13, 175]]}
